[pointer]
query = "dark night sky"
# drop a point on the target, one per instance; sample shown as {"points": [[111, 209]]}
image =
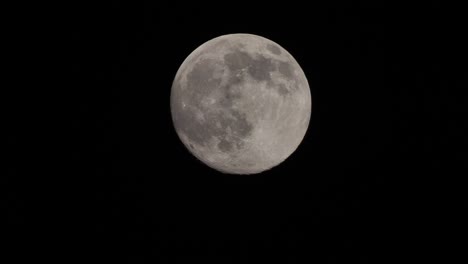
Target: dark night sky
{"points": [[387, 126]]}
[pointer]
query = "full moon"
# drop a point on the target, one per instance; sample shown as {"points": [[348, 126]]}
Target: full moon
{"points": [[240, 103]]}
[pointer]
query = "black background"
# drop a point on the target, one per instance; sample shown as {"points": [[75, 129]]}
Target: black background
{"points": [[384, 155]]}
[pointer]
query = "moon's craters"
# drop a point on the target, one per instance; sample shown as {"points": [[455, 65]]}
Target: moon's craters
{"points": [[204, 119], [258, 68], [285, 69], [202, 80], [282, 89], [273, 48], [237, 104], [242, 64]]}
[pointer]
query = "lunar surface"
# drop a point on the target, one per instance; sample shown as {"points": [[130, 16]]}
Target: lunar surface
{"points": [[240, 103]]}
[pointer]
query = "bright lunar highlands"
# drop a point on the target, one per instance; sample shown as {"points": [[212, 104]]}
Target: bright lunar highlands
{"points": [[240, 103]]}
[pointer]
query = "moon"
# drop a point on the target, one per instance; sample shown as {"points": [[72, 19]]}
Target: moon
{"points": [[240, 103]]}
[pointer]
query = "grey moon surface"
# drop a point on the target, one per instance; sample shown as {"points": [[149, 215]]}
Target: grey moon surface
{"points": [[240, 103]]}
